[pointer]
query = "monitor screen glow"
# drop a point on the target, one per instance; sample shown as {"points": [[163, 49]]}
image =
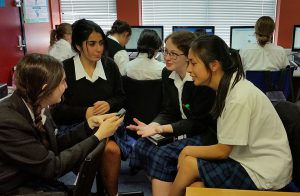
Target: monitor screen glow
{"points": [[241, 36], [131, 46], [210, 30], [296, 38]]}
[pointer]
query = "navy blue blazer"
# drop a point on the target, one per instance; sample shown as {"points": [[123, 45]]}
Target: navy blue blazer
{"points": [[200, 99]]}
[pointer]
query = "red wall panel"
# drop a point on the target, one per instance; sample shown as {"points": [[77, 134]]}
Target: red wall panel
{"points": [[10, 28], [130, 11], [287, 16]]}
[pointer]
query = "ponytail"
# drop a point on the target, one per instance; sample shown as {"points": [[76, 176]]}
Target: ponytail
{"points": [[264, 28], [38, 124], [212, 48], [119, 27], [263, 39], [236, 66], [60, 32]]}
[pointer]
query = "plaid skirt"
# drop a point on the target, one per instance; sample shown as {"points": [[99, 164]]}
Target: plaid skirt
{"points": [[227, 174], [159, 162]]}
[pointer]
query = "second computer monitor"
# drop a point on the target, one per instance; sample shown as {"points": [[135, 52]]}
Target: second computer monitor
{"points": [[241, 36], [210, 30], [296, 38], [136, 31]]}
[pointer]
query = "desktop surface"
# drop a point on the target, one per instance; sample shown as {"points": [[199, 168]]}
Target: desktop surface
{"points": [[195, 191]]}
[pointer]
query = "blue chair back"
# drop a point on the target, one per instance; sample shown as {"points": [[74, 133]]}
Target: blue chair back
{"points": [[273, 81]]}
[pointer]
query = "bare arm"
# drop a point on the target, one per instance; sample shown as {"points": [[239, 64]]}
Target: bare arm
{"points": [[217, 151]]}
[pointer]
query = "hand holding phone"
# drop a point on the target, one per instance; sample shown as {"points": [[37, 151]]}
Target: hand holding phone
{"points": [[121, 112]]}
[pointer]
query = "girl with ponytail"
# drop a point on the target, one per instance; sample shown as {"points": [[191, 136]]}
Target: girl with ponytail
{"points": [[118, 36], [250, 133], [264, 55], [60, 42], [145, 66]]}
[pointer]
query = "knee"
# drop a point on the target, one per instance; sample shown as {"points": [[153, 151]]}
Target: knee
{"points": [[112, 149], [188, 164]]}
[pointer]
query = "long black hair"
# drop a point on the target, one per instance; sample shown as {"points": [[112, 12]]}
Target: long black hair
{"points": [[210, 48], [149, 42], [82, 29], [32, 73]]}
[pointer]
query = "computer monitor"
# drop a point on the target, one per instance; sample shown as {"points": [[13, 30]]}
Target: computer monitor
{"points": [[210, 30], [131, 46], [296, 38], [241, 36]]}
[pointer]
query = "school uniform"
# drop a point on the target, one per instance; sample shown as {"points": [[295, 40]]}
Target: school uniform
{"points": [[260, 153], [24, 160], [267, 58], [83, 91], [61, 50], [117, 53], [195, 122], [143, 68]]}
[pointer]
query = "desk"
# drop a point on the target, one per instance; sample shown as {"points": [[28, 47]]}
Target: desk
{"points": [[195, 191]]}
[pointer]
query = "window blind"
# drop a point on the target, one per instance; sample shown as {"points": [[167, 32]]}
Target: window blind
{"points": [[219, 13], [102, 12]]}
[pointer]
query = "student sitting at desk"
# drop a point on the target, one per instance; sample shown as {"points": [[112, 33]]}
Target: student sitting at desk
{"points": [[94, 88], [185, 110], [145, 66], [118, 36], [264, 55], [60, 42], [253, 150], [32, 155]]}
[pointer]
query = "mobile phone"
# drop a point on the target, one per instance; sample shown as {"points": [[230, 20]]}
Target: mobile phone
{"points": [[121, 112]]}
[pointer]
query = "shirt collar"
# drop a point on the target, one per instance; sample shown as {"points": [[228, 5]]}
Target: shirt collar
{"points": [[113, 38], [144, 55], [81, 73], [174, 75], [44, 117]]}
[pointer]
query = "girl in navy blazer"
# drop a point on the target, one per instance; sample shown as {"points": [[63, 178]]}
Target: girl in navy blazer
{"points": [[32, 155]]}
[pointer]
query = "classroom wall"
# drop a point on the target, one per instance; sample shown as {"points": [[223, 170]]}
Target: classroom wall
{"points": [[38, 34], [130, 12], [287, 16]]}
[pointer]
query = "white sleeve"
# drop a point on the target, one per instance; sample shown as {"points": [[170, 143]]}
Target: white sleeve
{"points": [[234, 124], [121, 58], [285, 60]]}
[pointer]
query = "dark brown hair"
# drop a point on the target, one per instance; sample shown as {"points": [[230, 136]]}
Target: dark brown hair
{"points": [[264, 29], [32, 73], [119, 26], [59, 32], [82, 29]]}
